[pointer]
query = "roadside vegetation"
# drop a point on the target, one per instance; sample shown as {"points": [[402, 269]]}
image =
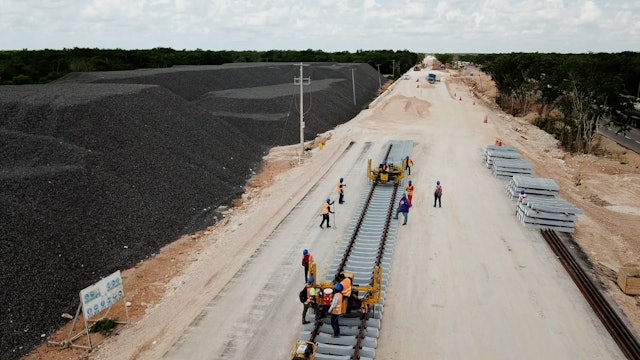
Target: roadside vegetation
{"points": [[43, 66], [573, 94]]}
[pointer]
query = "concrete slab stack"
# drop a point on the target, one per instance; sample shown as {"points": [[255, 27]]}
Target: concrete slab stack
{"points": [[541, 209], [499, 152], [532, 187], [543, 212], [505, 161]]}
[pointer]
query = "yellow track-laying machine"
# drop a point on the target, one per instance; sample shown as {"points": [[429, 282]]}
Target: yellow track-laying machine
{"points": [[361, 301], [387, 172]]}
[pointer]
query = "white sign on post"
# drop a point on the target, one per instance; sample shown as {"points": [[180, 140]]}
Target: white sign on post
{"points": [[101, 295]]}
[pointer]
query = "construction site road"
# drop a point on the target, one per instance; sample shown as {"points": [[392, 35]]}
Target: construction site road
{"points": [[467, 280]]}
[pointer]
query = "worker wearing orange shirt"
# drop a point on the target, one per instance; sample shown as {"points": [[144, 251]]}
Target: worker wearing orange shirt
{"points": [[409, 191]]}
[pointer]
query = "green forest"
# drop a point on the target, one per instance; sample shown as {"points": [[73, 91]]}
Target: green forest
{"points": [[573, 94], [43, 66]]}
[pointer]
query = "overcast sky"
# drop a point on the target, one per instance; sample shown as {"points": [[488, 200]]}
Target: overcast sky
{"points": [[423, 26]]}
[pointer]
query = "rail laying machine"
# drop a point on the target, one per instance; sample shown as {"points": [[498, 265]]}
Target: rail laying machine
{"points": [[387, 172], [361, 301]]}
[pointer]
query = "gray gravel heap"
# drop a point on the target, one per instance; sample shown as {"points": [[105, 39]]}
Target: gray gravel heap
{"points": [[98, 171]]}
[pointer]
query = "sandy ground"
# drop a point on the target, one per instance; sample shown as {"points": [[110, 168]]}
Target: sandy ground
{"points": [[466, 278]]}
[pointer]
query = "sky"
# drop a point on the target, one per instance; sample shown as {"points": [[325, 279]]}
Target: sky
{"points": [[422, 26]]}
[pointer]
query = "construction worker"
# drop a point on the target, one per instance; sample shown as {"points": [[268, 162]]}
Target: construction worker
{"points": [[403, 207], [409, 191], [385, 167], [311, 300], [408, 165], [346, 285], [326, 210], [307, 259], [521, 198], [341, 186], [336, 309], [437, 194]]}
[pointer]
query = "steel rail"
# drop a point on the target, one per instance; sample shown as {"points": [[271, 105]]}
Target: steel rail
{"points": [[353, 240], [613, 323]]}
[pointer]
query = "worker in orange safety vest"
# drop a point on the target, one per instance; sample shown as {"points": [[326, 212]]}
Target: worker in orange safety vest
{"points": [[409, 191], [341, 186], [408, 165], [326, 210], [336, 310]]}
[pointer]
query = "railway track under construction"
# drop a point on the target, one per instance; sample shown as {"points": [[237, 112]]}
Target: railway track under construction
{"points": [[619, 331], [365, 253]]}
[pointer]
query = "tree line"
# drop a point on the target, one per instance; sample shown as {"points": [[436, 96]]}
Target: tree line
{"points": [[573, 94], [19, 67]]}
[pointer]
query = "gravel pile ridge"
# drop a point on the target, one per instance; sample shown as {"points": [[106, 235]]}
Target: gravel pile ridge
{"points": [[98, 171]]}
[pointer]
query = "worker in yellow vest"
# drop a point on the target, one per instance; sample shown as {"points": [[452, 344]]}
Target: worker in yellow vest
{"points": [[311, 300], [336, 310]]}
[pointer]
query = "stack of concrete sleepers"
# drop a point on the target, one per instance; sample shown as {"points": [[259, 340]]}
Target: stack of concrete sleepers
{"points": [[492, 152], [505, 161], [532, 186], [507, 168], [544, 212]]}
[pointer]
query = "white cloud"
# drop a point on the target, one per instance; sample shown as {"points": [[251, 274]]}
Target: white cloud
{"points": [[331, 25]]}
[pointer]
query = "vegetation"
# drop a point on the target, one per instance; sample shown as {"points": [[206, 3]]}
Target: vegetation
{"points": [[43, 66], [573, 94], [104, 326]]}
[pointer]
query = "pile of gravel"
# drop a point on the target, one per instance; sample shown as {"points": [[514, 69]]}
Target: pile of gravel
{"points": [[98, 171]]}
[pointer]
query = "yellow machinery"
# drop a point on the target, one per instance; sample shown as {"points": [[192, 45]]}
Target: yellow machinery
{"points": [[382, 175], [304, 350], [372, 295]]}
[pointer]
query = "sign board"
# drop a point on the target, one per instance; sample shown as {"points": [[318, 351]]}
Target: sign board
{"points": [[101, 295]]}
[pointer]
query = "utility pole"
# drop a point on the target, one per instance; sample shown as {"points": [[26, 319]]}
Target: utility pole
{"points": [[353, 83], [380, 84], [394, 69], [301, 81]]}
